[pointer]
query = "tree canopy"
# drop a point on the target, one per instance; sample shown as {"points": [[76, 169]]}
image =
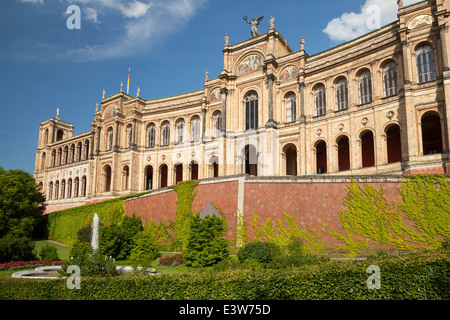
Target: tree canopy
{"points": [[21, 203]]}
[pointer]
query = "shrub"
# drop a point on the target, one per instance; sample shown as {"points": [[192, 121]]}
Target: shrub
{"points": [[263, 252], [16, 249], [80, 248], [206, 244], [94, 263], [145, 249], [172, 260], [49, 253]]}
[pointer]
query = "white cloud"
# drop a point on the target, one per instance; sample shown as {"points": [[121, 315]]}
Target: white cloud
{"points": [[33, 1], [373, 14], [144, 23]]}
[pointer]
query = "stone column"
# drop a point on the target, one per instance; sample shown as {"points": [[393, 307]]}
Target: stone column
{"points": [[270, 80], [133, 137], [203, 123], [302, 102], [116, 137], [99, 129]]}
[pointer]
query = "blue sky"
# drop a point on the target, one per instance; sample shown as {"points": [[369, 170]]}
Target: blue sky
{"points": [[167, 43]]}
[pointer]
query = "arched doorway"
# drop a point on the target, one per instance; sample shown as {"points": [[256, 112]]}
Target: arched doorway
{"points": [[125, 177], [251, 160], [367, 149], [393, 144], [107, 178], [290, 154], [214, 167], [148, 178], [194, 170], [343, 147], [178, 172], [431, 133], [163, 172], [321, 157]]}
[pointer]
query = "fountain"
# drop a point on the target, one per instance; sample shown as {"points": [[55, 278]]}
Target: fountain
{"points": [[52, 272], [94, 240]]}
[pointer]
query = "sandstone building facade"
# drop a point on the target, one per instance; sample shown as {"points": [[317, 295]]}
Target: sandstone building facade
{"points": [[377, 105]]}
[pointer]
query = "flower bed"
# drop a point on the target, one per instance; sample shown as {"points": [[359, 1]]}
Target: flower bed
{"points": [[18, 265], [171, 260]]}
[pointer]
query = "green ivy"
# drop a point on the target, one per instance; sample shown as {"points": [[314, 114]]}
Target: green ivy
{"points": [[185, 197]]}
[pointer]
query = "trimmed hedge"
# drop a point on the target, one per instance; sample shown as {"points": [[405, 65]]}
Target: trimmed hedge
{"points": [[413, 276]]}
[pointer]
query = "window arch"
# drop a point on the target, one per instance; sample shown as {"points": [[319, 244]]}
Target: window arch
{"points": [[50, 190], [86, 150], [364, 86], [193, 166], [83, 186], [425, 63], [43, 156], [179, 124], [341, 89], [79, 147], [321, 157], [59, 135], [343, 147], [109, 138], [69, 188], [393, 143], [148, 178], [165, 136], [151, 135], [251, 110], [125, 177], [319, 99], [53, 159], [196, 128], [291, 106], [390, 79], [178, 172], [65, 155], [214, 167], [290, 155], [76, 187]]}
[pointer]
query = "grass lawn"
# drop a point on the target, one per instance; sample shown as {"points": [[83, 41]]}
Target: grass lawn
{"points": [[63, 251]]}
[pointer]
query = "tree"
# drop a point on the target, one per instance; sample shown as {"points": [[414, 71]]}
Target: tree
{"points": [[21, 203], [206, 243]]}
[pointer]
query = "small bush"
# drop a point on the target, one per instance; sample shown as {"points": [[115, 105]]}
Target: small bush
{"points": [[49, 253], [16, 249], [145, 250], [80, 248], [263, 252]]}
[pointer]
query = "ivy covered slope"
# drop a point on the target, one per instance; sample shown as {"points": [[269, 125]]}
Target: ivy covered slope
{"points": [[63, 225]]}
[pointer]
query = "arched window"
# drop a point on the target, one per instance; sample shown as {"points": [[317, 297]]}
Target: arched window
{"points": [[390, 82], [251, 110], [180, 131], [165, 136], [50, 191], [83, 186], [196, 128], [109, 138], [69, 188], [72, 153], [86, 150], [76, 187], [65, 155], [425, 64], [56, 190], [217, 123], [43, 160], [291, 107], [151, 135], [129, 135], [365, 87], [78, 155], [319, 100], [341, 89], [53, 159], [251, 160], [45, 137], [59, 135], [63, 189], [59, 157]]}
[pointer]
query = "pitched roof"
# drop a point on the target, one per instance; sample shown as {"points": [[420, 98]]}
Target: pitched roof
{"points": [[209, 210]]}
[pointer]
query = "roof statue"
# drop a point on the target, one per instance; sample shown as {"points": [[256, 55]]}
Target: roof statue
{"points": [[272, 22], [226, 39], [255, 24]]}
